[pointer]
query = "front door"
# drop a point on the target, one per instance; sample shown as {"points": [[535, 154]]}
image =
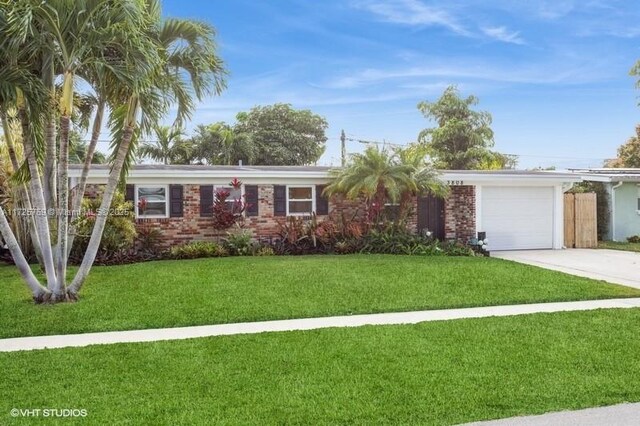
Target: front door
{"points": [[431, 216]]}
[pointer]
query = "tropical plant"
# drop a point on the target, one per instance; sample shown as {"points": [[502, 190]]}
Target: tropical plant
{"points": [[197, 249], [119, 231], [283, 135], [134, 61], [238, 242], [378, 176], [219, 143], [227, 213], [169, 148], [79, 151], [463, 137]]}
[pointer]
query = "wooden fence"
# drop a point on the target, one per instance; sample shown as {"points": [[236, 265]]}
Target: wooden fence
{"points": [[580, 220]]}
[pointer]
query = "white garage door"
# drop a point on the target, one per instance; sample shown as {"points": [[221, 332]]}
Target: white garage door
{"points": [[517, 218]]}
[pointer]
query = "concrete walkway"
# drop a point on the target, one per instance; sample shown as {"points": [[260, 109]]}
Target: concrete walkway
{"points": [[75, 340], [614, 266], [619, 415]]}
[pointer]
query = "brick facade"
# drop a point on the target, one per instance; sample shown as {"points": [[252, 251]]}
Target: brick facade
{"points": [[460, 213], [459, 216]]}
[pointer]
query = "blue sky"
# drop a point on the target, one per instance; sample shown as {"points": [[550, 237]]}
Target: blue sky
{"points": [[554, 74]]}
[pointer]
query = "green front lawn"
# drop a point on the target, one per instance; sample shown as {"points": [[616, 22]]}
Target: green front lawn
{"points": [[615, 245], [432, 373], [225, 290]]}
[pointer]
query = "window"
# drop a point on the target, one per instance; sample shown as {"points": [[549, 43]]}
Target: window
{"points": [[392, 211], [235, 194], [152, 201], [300, 200]]}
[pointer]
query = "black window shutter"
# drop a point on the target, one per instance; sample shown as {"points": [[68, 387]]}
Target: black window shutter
{"points": [[175, 200], [206, 200], [251, 198], [129, 193], [279, 200], [322, 202]]}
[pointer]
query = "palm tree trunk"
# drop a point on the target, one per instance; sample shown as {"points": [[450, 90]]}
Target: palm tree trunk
{"points": [[101, 219], [59, 291], [39, 292], [49, 172], [82, 183], [23, 192], [37, 198]]}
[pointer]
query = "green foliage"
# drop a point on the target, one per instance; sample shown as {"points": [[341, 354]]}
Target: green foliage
{"points": [[197, 249], [264, 251], [628, 153], [282, 135], [238, 242], [169, 148], [119, 231], [394, 240], [78, 150], [463, 138], [219, 143], [602, 204], [635, 239], [379, 177], [351, 235], [148, 239]]}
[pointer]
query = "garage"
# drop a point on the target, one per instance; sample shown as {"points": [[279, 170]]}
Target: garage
{"points": [[517, 217]]}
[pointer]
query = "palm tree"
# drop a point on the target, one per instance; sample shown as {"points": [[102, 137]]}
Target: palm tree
{"points": [[378, 177], [189, 69], [136, 64], [167, 149], [222, 144]]}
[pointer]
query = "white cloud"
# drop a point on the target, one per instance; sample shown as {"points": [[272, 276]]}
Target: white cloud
{"points": [[472, 71], [412, 13], [503, 34]]}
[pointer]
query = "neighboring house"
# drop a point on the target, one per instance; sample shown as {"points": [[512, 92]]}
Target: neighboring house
{"points": [[517, 209], [623, 187]]}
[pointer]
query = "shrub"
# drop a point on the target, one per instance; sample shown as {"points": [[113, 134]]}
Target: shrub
{"points": [[634, 239], [264, 251], [148, 239], [227, 213], [119, 231], [238, 242], [197, 249], [396, 240], [457, 249]]}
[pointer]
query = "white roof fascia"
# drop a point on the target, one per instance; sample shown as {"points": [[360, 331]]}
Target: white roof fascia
{"points": [[204, 176]]}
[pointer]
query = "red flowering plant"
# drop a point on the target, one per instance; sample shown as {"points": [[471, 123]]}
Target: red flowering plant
{"points": [[227, 213], [235, 183], [142, 205]]}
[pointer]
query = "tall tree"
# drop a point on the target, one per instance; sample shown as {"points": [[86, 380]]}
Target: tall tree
{"points": [[219, 143], [168, 148], [283, 135], [463, 137], [628, 153], [133, 60]]}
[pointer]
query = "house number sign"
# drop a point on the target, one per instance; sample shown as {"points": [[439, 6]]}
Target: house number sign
{"points": [[455, 182]]}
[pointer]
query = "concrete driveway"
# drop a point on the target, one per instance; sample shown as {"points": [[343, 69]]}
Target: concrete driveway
{"points": [[614, 266]]}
